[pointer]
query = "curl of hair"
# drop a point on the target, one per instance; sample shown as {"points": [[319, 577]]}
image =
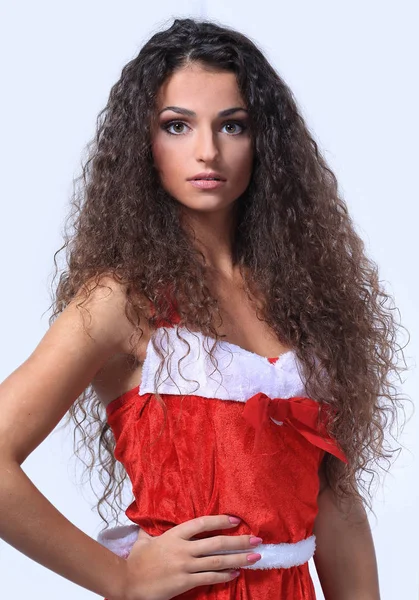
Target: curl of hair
{"points": [[294, 240]]}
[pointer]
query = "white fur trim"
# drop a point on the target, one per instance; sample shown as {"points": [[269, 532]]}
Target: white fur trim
{"points": [[280, 556], [121, 539], [244, 373]]}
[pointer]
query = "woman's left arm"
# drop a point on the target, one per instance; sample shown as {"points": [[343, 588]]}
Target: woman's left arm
{"points": [[345, 556]]}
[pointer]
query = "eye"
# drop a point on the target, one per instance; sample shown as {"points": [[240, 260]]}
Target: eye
{"points": [[236, 124], [176, 124], [167, 126]]}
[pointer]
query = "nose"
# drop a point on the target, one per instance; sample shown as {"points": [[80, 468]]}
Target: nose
{"points": [[206, 148]]}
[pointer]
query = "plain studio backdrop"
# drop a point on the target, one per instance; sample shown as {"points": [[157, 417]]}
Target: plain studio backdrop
{"points": [[352, 69]]}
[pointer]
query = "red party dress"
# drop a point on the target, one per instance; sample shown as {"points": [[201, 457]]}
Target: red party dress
{"points": [[243, 440]]}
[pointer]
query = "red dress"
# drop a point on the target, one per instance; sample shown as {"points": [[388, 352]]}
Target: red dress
{"points": [[247, 443]]}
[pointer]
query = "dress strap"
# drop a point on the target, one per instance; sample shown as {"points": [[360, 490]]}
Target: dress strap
{"points": [[174, 316]]}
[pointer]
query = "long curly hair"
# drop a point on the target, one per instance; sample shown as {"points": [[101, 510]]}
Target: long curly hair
{"points": [[294, 240]]}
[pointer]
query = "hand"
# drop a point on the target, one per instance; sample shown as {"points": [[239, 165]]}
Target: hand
{"points": [[161, 567]]}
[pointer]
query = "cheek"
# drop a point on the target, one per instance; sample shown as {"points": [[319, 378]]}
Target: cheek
{"points": [[161, 157], [166, 163], [243, 162]]}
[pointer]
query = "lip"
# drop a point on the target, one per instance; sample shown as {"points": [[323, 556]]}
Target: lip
{"points": [[204, 175], [204, 184]]}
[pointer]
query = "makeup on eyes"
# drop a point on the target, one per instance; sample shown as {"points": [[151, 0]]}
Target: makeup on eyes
{"points": [[165, 125]]}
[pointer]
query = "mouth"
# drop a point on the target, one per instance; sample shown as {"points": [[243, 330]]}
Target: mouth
{"points": [[206, 184], [208, 176]]}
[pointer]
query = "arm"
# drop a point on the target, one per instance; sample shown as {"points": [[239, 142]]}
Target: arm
{"points": [[345, 557], [33, 399]]}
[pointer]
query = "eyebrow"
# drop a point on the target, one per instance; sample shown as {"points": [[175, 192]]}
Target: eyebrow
{"points": [[191, 113]]}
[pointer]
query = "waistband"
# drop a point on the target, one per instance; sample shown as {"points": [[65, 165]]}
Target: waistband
{"points": [[121, 539]]}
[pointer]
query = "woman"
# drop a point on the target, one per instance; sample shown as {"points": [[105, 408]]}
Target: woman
{"points": [[277, 424]]}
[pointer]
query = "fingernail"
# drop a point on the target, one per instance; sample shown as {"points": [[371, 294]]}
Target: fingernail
{"points": [[235, 573], [255, 541], [252, 557], [234, 520]]}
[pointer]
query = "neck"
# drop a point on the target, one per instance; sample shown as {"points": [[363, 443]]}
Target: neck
{"points": [[213, 235]]}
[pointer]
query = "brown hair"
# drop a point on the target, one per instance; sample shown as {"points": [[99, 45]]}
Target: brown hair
{"points": [[294, 240]]}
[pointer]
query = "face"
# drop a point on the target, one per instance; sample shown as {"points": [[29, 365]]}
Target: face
{"points": [[194, 136]]}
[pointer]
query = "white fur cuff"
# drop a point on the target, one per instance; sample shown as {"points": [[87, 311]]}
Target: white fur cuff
{"points": [[281, 556], [121, 539]]}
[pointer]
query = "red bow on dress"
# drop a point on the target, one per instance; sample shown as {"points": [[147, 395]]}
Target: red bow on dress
{"points": [[301, 413]]}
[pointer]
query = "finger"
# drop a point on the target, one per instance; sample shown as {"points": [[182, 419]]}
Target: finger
{"points": [[211, 577], [200, 524], [219, 543], [221, 562]]}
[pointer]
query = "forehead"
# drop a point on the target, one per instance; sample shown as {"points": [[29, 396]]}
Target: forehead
{"points": [[195, 85]]}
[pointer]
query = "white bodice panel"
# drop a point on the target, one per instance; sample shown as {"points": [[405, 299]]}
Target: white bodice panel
{"points": [[240, 375]]}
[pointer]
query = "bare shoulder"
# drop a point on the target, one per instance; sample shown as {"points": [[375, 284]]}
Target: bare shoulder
{"points": [[102, 312], [86, 335], [122, 369]]}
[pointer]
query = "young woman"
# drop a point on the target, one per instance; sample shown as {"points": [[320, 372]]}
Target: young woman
{"points": [[221, 327]]}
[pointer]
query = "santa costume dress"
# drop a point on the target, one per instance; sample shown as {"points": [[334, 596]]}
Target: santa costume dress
{"points": [[243, 440]]}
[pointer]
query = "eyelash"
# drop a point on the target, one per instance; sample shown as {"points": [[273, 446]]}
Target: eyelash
{"points": [[165, 127]]}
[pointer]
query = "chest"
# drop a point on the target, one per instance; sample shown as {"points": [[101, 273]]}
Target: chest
{"points": [[242, 322]]}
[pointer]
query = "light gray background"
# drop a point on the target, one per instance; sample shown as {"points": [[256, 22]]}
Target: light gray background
{"points": [[352, 68]]}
